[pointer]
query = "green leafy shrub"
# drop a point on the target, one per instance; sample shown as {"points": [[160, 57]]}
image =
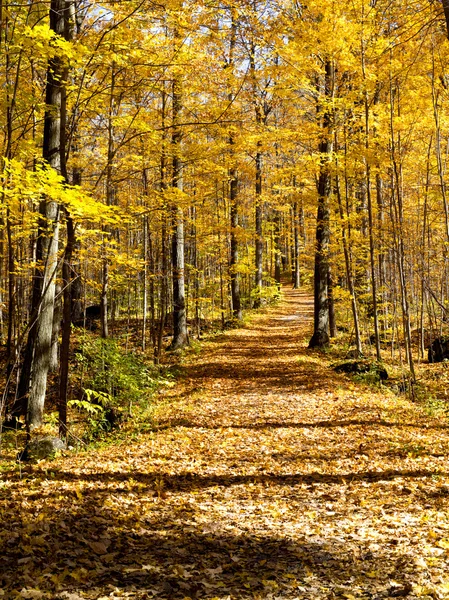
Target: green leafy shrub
{"points": [[112, 381], [268, 294]]}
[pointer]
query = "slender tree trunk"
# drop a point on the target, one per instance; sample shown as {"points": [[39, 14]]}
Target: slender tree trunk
{"points": [[423, 265], [440, 165], [145, 234], [234, 258], [296, 269], [330, 294], [11, 90], [67, 279], [320, 335], [348, 266], [261, 113], [57, 316], [259, 231], [163, 298], [110, 200], [371, 234], [398, 226], [277, 250], [233, 190], [180, 338]]}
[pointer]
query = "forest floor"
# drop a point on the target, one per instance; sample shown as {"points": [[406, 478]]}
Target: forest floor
{"points": [[267, 475]]}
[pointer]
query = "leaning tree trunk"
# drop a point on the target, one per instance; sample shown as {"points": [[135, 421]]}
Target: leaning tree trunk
{"points": [[37, 353], [320, 336]]}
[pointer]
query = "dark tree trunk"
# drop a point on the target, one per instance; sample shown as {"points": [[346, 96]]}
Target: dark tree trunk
{"points": [[234, 258], [330, 293], [76, 294], [348, 264], [67, 279], [57, 316], [296, 274], [233, 192], [110, 201], [277, 250], [259, 233], [320, 336]]}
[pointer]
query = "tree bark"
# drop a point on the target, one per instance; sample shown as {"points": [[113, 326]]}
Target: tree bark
{"points": [[234, 258], [296, 270], [34, 378], [277, 250], [348, 263], [67, 280], [371, 234], [320, 335], [259, 232], [180, 337]]}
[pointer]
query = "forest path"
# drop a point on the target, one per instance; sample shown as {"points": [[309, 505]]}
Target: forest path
{"points": [[268, 476]]}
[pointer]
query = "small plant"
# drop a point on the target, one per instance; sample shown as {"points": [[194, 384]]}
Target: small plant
{"points": [[369, 378], [269, 294], [95, 408], [112, 382], [435, 407]]}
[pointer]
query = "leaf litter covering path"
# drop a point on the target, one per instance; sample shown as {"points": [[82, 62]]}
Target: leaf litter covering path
{"points": [[269, 477]]}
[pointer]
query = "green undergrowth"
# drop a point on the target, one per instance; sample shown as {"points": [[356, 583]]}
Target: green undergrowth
{"points": [[114, 385]]}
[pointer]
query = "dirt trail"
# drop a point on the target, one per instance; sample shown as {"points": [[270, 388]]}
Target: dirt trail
{"points": [[269, 476]]}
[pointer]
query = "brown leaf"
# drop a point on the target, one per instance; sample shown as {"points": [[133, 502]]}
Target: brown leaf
{"points": [[99, 547]]}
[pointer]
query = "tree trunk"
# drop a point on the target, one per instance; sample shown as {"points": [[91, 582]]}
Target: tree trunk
{"points": [[277, 250], [261, 113], [320, 335], [371, 234], [259, 232], [34, 380], [397, 214], [233, 191], [57, 316], [348, 262], [180, 338], [110, 201], [234, 258], [296, 270], [330, 294], [67, 279]]}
